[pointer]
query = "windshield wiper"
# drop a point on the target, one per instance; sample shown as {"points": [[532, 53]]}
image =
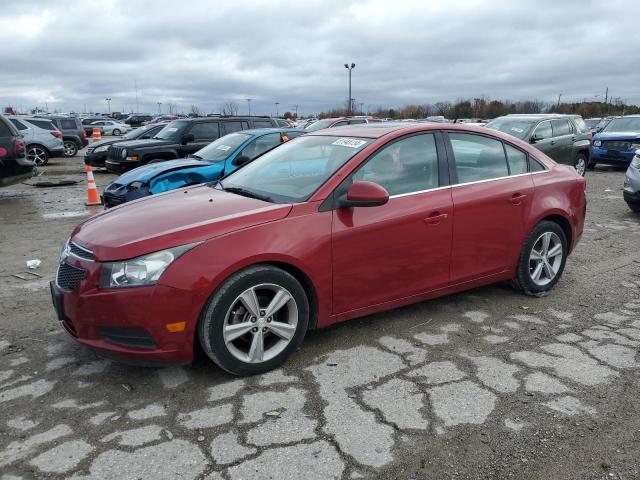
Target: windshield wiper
{"points": [[247, 193]]}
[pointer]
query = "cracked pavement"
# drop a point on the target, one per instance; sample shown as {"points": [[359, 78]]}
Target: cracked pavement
{"points": [[484, 384]]}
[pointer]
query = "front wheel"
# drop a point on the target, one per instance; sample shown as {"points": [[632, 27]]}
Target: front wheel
{"points": [[255, 321], [115, 132], [542, 259], [582, 163]]}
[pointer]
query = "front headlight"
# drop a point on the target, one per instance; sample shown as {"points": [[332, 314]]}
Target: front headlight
{"points": [[101, 149], [635, 163], [597, 143], [124, 153], [140, 271]]}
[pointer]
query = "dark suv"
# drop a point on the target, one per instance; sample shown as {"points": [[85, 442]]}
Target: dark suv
{"points": [[179, 139], [137, 119], [565, 138], [73, 134], [14, 166]]}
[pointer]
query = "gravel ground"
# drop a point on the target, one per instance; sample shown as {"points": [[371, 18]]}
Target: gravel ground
{"points": [[487, 384]]}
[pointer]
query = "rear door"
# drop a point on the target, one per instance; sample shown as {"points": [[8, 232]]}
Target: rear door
{"points": [[563, 137], [204, 133], [490, 205], [402, 248]]}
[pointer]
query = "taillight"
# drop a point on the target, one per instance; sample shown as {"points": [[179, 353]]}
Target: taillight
{"points": [[83, 134], [590, 135], [56, 134], [18, 149]]}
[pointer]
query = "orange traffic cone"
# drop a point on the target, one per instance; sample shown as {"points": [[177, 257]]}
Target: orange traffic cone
{"points": [[92, 192], [97, 136]]}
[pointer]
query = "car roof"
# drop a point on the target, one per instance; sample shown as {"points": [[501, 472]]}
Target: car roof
{"points": [[378, 130], [260, 131], [540, 116]]}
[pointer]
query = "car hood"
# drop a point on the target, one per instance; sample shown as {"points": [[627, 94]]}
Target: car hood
{"points": [[151, 170], [171, 219], [106, 142], [617, 136], [147, 142]]}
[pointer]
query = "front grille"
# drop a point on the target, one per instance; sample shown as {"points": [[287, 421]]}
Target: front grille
{"points": [[115, 154], [78, 251], [90, 150], [69, 277], [616, 145]]}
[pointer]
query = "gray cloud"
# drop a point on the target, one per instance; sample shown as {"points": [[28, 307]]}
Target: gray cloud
{"points": [[73, 54]]}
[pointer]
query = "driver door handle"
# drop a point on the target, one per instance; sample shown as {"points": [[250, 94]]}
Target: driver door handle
{"points": [[435, 218], [517, 198]]}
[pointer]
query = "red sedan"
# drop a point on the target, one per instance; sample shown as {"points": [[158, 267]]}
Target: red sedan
{"points": [[333, 225]]}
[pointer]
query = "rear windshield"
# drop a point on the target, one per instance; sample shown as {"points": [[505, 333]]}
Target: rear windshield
{"points": [[319, 125], [629, 124], [46, 124], [517, 127]]}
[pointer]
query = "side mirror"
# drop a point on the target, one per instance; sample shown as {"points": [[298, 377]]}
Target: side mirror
{"points": [[240, 160], [535, 138], [363, 194], [188, 138]]}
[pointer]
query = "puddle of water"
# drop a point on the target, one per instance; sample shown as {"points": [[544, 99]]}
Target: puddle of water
{"points": [[71, 214]]}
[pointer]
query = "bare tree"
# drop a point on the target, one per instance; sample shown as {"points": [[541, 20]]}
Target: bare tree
{"points": [[229, 108], [173, 108], [196, 110]]}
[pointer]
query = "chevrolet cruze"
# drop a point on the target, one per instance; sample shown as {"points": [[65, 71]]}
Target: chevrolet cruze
{"points": [[333, 225]]}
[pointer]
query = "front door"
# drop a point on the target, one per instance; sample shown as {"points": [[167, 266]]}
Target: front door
{"points": [[563, 136], [542, 138], [490, 204], [401, 248], [203, 133]]}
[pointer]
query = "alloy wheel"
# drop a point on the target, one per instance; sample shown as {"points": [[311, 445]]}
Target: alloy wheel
{"points": [[260, 323], [70, 149], [37, 155], [545, 258], [581, 166]]}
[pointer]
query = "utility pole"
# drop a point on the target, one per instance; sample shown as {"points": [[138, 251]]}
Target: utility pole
{"points": [[135, 84], [249, 105], [160, 107], [108, 100], [361, 108], [349, 67], [276, 104], [606, 95], [559, 97], [295, 107]]}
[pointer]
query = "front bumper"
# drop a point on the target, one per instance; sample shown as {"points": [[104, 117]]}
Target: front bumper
{"points": [[611, 157], [116, 194], [95, 159], [128, 324], [120, 166]]}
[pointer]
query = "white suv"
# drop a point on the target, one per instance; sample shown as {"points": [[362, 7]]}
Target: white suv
{"points": [[41, 138]]}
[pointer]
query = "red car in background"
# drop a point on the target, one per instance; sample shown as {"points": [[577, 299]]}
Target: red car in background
{"points": [[332, 225]]}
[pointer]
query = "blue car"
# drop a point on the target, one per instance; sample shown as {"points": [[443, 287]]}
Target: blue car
{"points": [[210, 163], [617, 143]]}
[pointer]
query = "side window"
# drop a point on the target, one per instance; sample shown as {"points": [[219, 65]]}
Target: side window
{"points": [[543, 131], [477, 157], [535, 166], [340, 124], [282, 123], [230, 127], [262, 124], [47, 125], [580, 125], [4, 129], [205, 131], [560, 127], [517, 160], [292, 135], [405, 166], [261, 145], [68, 124], [19, 125]]}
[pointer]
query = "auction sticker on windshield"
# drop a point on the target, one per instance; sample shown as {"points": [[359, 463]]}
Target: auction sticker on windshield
{"points": [[516, 129], [223, 147], [349, 142]]}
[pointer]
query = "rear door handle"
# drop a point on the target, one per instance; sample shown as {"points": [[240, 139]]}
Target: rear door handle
{"points": [[517, 198], [436, 217]]}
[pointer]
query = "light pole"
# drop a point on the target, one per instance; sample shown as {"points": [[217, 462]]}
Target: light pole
{"points": [[159, 107], [295, 108], [349, 67], [108, 100], [277, 103], [361, 108], [249, 105]]}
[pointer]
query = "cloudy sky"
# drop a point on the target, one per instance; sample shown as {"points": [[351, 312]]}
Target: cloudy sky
{"points": [[71, 55]]}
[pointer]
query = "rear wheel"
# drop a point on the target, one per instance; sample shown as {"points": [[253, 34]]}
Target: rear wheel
{"points": [[37, 154], [542, 259], [255, 321], [70, 148], [115, 132], [581, 164]]}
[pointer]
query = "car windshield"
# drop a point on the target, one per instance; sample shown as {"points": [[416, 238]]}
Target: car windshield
{"points": [[319, 125], [513, 126], [294, 171], [592, 122], [222, 148], [171, 131], [138, 132], [629, 124]]}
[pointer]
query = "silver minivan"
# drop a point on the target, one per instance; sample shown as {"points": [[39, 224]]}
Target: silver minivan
{"points": [[41, 138]]}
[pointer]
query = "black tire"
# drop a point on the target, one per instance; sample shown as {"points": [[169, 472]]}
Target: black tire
{"points": [[115, 132], [38, 154], [70, 148], [635, 207], [581, 164], [522, 279], [210, 326]]}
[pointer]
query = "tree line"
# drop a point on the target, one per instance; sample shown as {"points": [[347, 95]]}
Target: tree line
{"points": [[486, 109]]}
